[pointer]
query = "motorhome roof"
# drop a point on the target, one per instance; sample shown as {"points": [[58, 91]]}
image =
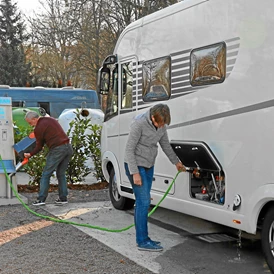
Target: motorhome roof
{"points": [[186, 4]]}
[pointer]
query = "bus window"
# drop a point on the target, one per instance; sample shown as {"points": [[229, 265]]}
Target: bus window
{"points": [[18, 104], [45, 106]]}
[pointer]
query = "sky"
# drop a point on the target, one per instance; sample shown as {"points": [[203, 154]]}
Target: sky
{"points": [[27, 6]]}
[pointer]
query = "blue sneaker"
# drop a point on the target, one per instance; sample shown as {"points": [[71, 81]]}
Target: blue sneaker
{"points": [[155, 242], [150, 246]]}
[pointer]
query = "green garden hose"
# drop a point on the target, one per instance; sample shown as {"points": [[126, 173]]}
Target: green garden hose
{"points": [[78, 224]]}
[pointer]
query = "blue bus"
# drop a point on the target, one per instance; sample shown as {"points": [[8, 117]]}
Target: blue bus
{"points": [[52, 100]]}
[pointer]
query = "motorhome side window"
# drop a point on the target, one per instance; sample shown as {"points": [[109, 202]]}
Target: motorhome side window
{"points": [[112, 99], [156, 79], [208, 65], [126, 85]]}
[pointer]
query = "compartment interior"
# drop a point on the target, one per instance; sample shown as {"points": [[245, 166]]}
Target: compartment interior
{"points": [[207, 179]]}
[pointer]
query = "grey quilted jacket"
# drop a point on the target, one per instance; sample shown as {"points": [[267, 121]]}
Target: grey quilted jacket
{"points": [[142, 144]]}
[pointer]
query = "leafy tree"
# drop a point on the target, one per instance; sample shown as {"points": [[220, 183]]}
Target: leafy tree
{"points": [[13, 66]]}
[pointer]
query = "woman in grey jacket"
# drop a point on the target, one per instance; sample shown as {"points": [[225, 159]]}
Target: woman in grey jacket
{"points": [[147, 130]]}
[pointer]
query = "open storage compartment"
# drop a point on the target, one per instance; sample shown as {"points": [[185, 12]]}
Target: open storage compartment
{"points": [[207, 179]]}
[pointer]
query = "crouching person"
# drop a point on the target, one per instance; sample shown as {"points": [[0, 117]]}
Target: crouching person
{"points": [[49, 132]]}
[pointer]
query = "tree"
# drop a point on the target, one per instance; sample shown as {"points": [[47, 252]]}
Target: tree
{"points": [[14, 68], [53, 40], [71, 38], [93, 42]]}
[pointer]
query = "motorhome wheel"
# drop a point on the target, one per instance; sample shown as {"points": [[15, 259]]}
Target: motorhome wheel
{"points": [[117, 200]]}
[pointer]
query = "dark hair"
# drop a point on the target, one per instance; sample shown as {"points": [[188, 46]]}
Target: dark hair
{"points": [[161, 113]]}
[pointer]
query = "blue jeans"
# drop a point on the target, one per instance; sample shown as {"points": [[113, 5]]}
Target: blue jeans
{"points": [[142, 201], [57, 159]]}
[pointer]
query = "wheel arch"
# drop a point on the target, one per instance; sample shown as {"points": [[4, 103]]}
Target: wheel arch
{"points": [[260, 202], [109, 162], [267, 206]]}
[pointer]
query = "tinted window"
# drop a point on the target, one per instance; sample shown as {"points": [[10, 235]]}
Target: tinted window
{"points": [[208, 65], [156, 80]]}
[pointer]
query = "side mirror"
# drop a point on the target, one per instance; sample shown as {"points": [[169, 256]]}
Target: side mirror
{"points": [[103, 80]]}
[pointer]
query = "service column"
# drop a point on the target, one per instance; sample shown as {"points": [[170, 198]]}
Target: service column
{"points": [[7, 152]]}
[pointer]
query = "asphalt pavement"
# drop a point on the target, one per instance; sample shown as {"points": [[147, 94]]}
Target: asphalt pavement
{"points": [[191, 245], [32, 242]]}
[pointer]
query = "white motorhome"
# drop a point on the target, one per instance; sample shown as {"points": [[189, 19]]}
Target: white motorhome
{"points": [[212, 62]]}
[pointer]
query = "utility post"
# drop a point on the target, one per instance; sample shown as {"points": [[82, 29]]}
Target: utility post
{"points": [[7, 153]]}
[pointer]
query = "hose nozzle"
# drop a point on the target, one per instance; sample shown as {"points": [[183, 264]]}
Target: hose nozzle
{"points": [[20, 164]]}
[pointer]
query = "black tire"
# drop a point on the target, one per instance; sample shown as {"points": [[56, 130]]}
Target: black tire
{"points": [[267, 238], [117, 200]]}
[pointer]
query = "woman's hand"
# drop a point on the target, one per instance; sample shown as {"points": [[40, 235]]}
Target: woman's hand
{"points": [[137, 179], [180, 167]]}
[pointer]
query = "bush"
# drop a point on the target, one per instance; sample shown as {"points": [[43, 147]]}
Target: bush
{"points": [[35, 166], [94, 140], [85, 140], [77, 168]]}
